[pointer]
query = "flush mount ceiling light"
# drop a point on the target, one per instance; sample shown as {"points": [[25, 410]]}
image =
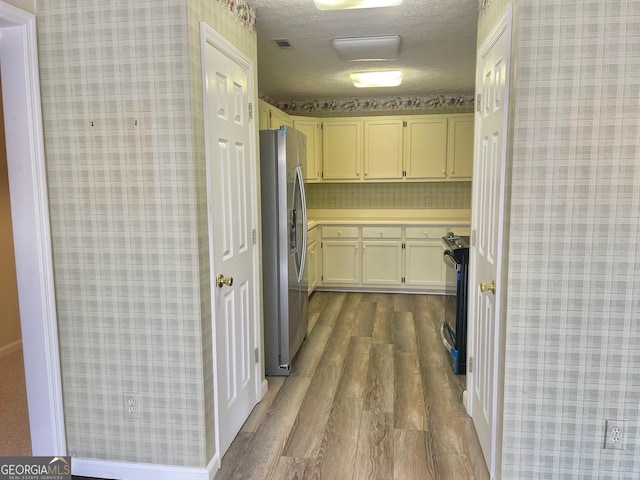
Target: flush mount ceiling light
{"points": [[390, 78], [349, 4], [363, 49]]}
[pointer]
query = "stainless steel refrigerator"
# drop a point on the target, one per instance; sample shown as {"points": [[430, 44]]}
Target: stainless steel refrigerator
{"points": [[284, 246]]}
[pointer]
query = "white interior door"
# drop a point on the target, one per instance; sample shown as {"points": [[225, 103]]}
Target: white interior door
{"points": [[229, 167], [487, 220]]}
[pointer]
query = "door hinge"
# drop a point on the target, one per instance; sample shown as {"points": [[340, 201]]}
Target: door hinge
{"points": [[404, 123], [257, 355], [254, 236], [473, 238], [470, 365], [250, 111], [478, 102]]}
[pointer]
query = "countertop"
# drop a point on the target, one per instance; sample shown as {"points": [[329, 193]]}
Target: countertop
{"points": [[389, 217]]}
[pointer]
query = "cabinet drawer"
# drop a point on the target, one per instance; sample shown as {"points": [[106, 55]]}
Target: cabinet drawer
{"points": [[314, 236], [382, 232], [425, 233], [340, 232]]}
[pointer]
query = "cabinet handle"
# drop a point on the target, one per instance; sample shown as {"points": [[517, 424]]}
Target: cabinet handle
{"points": [[339, 232], [426, 234], [381, 234]]}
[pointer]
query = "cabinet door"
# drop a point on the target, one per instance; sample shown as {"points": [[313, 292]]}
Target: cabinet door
{"points": [[340, 262], [382, 149], [381, 263], [460, 153], [312, 266], [279, 118], [311, 128], [425, 152], [342, 149], [423, 264], [263, 115]]}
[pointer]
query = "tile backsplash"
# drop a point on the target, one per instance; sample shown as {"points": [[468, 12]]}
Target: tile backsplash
{"points": [[445, 195]]}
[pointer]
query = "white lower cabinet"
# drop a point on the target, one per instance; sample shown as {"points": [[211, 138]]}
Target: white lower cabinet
{"points": [[340, 262], [381, 263], [423, 265], [423, 256], [383, 257], [313, 264]]}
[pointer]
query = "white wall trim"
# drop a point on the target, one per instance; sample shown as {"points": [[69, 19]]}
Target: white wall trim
{"points": [[88, 467], [10, 348], [32, 236]]}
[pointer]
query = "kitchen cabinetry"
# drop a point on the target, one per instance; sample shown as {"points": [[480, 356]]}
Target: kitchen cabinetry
{"points": [[342, 146], [460, 148], [382, 255], [423, 256], [271, 117], [311, 127], [340, 255], [383, 148], [313, 260], [439, 147], [425, 152]]}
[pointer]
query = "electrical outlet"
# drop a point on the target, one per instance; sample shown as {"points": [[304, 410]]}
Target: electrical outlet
{"points": [[131, 405], [614, 435]]}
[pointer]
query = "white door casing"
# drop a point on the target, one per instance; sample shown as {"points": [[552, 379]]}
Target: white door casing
{"points": [[31, 235], [483, 378], [232, 200]]}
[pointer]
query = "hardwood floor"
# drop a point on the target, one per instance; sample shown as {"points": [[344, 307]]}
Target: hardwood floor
{"points": [[371, 396]]}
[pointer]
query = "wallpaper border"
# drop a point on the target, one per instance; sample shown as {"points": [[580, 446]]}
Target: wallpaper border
{"points": [[354, 104], [243, 12]]}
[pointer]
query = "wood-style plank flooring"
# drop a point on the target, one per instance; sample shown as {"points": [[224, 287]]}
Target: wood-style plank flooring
{"points": [[371, 396]]}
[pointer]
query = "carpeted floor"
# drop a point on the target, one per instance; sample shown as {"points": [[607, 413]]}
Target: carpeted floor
{"points": [[15, 439]]}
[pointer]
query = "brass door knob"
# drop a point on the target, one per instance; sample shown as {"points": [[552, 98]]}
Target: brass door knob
{"points": [[491, 287], [221, 280]]}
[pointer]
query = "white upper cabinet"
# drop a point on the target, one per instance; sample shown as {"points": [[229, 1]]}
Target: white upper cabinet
{"points": [[342, 146], [460, 150], [311, 127], [383, 148], [425, 150]]}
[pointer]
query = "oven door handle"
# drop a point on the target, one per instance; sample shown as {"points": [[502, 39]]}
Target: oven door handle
{"points": [[449, 260]]}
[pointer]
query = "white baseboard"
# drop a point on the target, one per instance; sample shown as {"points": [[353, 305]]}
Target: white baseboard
{"points": [[264, 386], [12, 347], [88, 467]]}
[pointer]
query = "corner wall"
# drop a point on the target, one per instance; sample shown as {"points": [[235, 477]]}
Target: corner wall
{"points": [[124, 139]]}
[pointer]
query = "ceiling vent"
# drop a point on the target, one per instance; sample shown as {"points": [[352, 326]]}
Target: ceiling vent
{"points": [[282, 43]]}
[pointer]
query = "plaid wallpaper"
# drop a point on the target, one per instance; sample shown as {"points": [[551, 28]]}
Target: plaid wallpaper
{"points": [[390, 195], [122, 111], [573, 309]]}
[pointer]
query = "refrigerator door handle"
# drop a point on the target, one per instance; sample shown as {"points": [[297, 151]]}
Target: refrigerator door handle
{"points": [[303, 253]]}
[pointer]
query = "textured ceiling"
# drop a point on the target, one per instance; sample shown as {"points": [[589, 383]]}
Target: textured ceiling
{"points": [[437, 53]]}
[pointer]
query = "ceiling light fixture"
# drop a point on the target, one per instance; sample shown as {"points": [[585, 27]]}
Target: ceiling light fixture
{"points": [[363, 49], [349, 4], [389, 78]]}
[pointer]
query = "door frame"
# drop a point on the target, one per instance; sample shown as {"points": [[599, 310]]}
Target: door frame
{"points": [[31, 235], [504, 25], [209, 36]]}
